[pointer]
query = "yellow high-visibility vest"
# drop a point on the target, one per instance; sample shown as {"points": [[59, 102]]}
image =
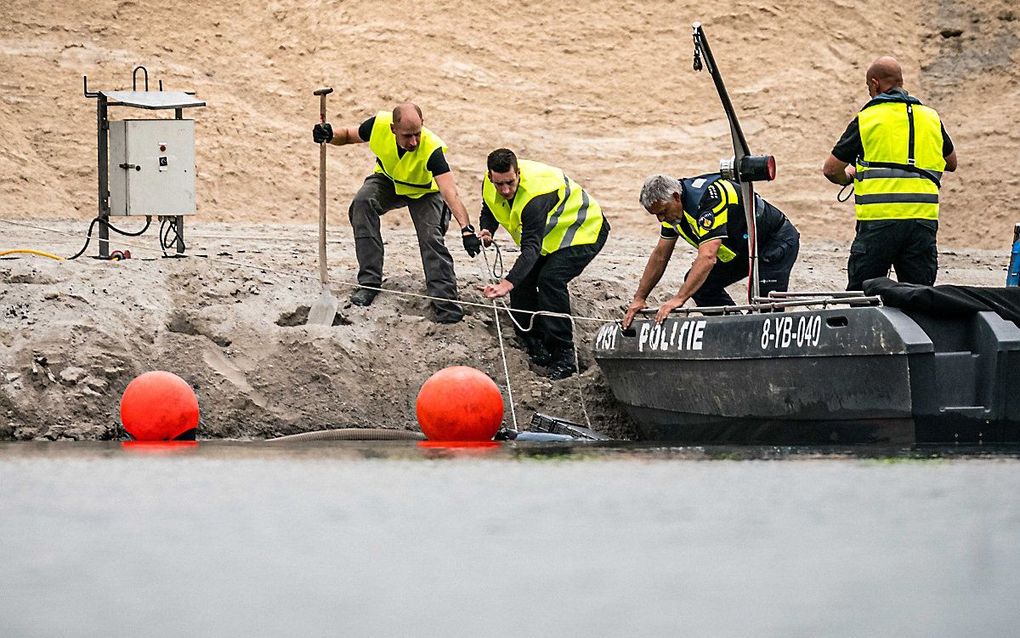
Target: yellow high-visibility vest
{"points": [[899, 174], [693, 191], [410, 173], [575, 220]]}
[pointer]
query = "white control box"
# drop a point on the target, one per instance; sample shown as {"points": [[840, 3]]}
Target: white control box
{"points": [[152, 167]]}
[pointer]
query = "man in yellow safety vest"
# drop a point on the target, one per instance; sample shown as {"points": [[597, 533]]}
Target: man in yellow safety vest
{"points": [[410, 170], [560, 230], [894, 153]]}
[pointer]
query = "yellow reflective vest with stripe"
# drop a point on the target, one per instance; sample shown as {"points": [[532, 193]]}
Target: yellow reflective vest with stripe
{"points": [[575, 220], [409, 172], [900, 170], [689, 227]]}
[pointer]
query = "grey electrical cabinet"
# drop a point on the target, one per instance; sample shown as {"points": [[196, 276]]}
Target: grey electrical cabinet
{"points": [[152, 167]]}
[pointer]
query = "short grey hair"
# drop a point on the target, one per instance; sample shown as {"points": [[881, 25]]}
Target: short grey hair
{"points": [[659, 188]]}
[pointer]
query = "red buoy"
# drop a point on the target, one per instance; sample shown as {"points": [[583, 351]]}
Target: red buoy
{"points": [[459, 404], [158, 406]]}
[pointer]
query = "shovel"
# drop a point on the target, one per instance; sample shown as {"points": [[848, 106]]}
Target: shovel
{"points": [[323, 311]]}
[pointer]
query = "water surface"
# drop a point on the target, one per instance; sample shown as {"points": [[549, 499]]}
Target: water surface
{"points": [[387, 539]]}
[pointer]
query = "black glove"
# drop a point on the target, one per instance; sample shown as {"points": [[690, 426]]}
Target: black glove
{"points": [[472, 244], [322, 133]]}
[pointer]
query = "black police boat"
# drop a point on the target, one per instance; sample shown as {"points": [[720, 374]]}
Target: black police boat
{"points": [[896, 363], [829, 369]]}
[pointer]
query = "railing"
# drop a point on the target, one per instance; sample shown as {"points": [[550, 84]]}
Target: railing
{"points": [[781, 300]]}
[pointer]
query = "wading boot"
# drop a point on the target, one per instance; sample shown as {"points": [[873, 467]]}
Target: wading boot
{"points": [[363, 296], [562, 365], [449, 318], [448, 312], [537, 351]]}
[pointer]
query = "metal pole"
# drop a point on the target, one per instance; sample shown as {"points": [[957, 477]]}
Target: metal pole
{"points": [[740, 150], [740, 147], [323, 272], [753, 280], [178, 114], [103, 129]]}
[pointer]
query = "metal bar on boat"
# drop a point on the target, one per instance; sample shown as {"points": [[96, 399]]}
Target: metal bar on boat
{"points": [[824, 301], [813, 293], [859, 300]]}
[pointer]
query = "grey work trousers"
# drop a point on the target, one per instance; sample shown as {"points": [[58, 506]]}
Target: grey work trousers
{"points": [[431, 217]]}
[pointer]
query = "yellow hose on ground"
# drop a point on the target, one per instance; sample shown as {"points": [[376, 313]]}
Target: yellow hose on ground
{"points": [[29, 251]]}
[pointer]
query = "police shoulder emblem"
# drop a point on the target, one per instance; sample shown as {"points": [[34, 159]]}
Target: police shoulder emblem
{"points": [[706, 221]]}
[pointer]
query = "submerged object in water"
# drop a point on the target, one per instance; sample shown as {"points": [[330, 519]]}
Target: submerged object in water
{"points": [[551, 429]]}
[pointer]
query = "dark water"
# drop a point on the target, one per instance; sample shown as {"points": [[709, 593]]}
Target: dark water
{"points": [[393, 539]]}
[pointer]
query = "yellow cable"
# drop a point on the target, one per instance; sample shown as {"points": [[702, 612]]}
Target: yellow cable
{"points": [[29, 251]]}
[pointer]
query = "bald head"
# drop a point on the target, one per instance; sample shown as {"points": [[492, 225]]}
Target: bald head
{"points": [[406, 126], [884, 74], [409, 111]]}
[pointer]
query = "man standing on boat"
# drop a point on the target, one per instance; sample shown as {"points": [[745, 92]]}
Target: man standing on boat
{"points": [[708, 213], [899, 150], [560, 229], [410, 170]]}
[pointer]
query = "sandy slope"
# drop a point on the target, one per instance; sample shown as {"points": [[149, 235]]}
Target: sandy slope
{"points": [[604, 90]]}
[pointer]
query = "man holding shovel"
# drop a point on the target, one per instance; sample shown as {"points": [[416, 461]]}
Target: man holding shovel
{"points": [[411, 170]]}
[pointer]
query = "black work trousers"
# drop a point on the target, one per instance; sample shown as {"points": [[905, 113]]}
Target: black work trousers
{"points": [[908, 245], [776, 256], [431, 217], [545, 288]]}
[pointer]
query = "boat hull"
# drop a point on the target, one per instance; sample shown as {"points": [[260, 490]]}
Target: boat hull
{"points": [[867, 374]]}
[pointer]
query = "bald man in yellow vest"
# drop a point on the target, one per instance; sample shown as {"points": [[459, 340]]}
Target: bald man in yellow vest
{"points": [[894, 153], [410, 170]]}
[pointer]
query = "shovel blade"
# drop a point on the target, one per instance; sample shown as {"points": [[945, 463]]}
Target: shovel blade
{"points": [[323, 311]]}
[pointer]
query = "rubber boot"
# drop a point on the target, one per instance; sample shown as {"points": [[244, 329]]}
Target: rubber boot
{"points": [[562, 365]]}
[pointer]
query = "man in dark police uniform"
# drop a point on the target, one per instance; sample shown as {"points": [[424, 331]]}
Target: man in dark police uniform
{"points": [[708, 213]]}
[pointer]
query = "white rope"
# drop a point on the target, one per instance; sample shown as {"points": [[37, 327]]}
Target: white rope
{"points": [[577, 362], [506, 368], [531, 324], [491, 276]]}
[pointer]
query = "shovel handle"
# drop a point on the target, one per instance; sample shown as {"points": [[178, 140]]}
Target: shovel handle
{"points": [[322, 93], [323, 273]]}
